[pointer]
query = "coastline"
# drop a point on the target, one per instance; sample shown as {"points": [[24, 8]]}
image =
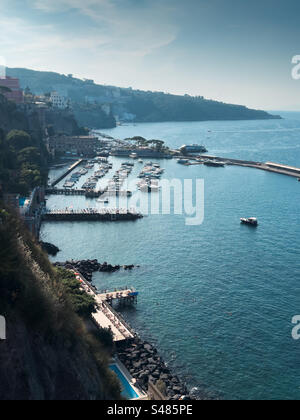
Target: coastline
{"points": [[141, 358]]}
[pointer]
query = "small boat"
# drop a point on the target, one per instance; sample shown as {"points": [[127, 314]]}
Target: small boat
{"points": [[141, 161], [216, 164], [133, 156], [103, 201], [183, 161], [249, 221]]}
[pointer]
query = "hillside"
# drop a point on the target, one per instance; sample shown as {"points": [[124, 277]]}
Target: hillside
{"points": [[132, 105], [48, 353], [52, 352]]}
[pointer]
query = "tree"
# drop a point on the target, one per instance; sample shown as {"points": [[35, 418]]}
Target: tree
{"points": [[19, 140], [83, 304], [29, 155]]}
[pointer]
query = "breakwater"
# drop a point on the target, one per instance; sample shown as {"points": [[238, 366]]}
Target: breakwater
{"points": [[144, 363], [66, 173], [88, 267], [267, 166], [91, 215]]}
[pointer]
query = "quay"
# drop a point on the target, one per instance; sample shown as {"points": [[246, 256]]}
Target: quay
{"points": [[267, 166], [70, 169], [93, 215]]}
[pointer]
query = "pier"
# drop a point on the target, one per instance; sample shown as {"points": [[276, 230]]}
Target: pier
{"points": [[105, 316], [91, 215], [267, 166], [70, 169], [81, 192], [123, 296]]}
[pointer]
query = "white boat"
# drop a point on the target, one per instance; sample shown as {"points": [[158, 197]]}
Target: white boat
{"points": [[249, 221]]}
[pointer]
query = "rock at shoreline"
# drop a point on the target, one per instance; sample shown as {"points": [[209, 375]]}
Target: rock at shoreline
{"points": [[88, 267], [49, 248], [144, 364]]}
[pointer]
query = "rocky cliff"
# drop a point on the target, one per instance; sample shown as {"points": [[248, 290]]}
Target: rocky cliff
{"points": [[51, 353], [32, 368]]}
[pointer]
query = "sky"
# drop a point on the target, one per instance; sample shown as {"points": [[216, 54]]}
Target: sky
{"points": [[236, 51]]}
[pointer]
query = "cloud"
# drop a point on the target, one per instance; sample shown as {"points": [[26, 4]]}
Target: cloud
{"points": [[128, 28]]}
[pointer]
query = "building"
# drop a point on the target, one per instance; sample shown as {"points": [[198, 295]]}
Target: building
{"points": [[192, 148], [15, 93], [59, 101], [73, 146]]}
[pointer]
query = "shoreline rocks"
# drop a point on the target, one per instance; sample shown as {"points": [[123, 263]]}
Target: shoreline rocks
{"points": [[145, 364], [88, 267], [50, 248]]}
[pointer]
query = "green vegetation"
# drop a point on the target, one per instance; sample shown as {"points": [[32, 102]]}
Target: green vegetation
{"points": [[23, 162], [82, 303], [158, 145], [49, 312], [47, 300]]}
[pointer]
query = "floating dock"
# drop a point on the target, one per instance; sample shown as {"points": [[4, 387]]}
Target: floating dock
{"points": [[91, 215]]}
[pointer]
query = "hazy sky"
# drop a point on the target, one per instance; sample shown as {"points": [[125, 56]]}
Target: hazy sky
{"points": [[237, 51]]}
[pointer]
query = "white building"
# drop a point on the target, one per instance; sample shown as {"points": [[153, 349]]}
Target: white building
{"points": [[59, 101]]}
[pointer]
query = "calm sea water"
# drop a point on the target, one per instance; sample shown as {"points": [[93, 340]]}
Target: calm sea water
{"points": [[216, 299]]}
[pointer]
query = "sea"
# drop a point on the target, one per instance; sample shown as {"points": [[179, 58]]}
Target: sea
{"points": [[217, 299]]}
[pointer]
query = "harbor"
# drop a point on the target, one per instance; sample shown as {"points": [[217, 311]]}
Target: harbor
{"points": [[167, 255]]}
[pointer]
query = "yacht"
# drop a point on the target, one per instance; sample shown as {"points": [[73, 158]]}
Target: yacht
{"points": [[249, 221]]}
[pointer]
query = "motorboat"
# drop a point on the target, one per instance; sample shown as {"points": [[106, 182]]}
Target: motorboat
{"points": [[249, 221]]}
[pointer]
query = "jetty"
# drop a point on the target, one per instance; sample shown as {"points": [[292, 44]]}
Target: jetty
{"points": [[66, 173], [265, 166], [123, 296], [91, 215], [81, 192], [105, 316]]}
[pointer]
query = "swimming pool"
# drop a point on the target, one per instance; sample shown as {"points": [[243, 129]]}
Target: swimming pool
{"points": [[127, 391]]}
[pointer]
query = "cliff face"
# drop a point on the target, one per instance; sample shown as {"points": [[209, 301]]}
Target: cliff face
{"points": [[11, 117], [33, 369], [62, 121], [50, 352]]}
